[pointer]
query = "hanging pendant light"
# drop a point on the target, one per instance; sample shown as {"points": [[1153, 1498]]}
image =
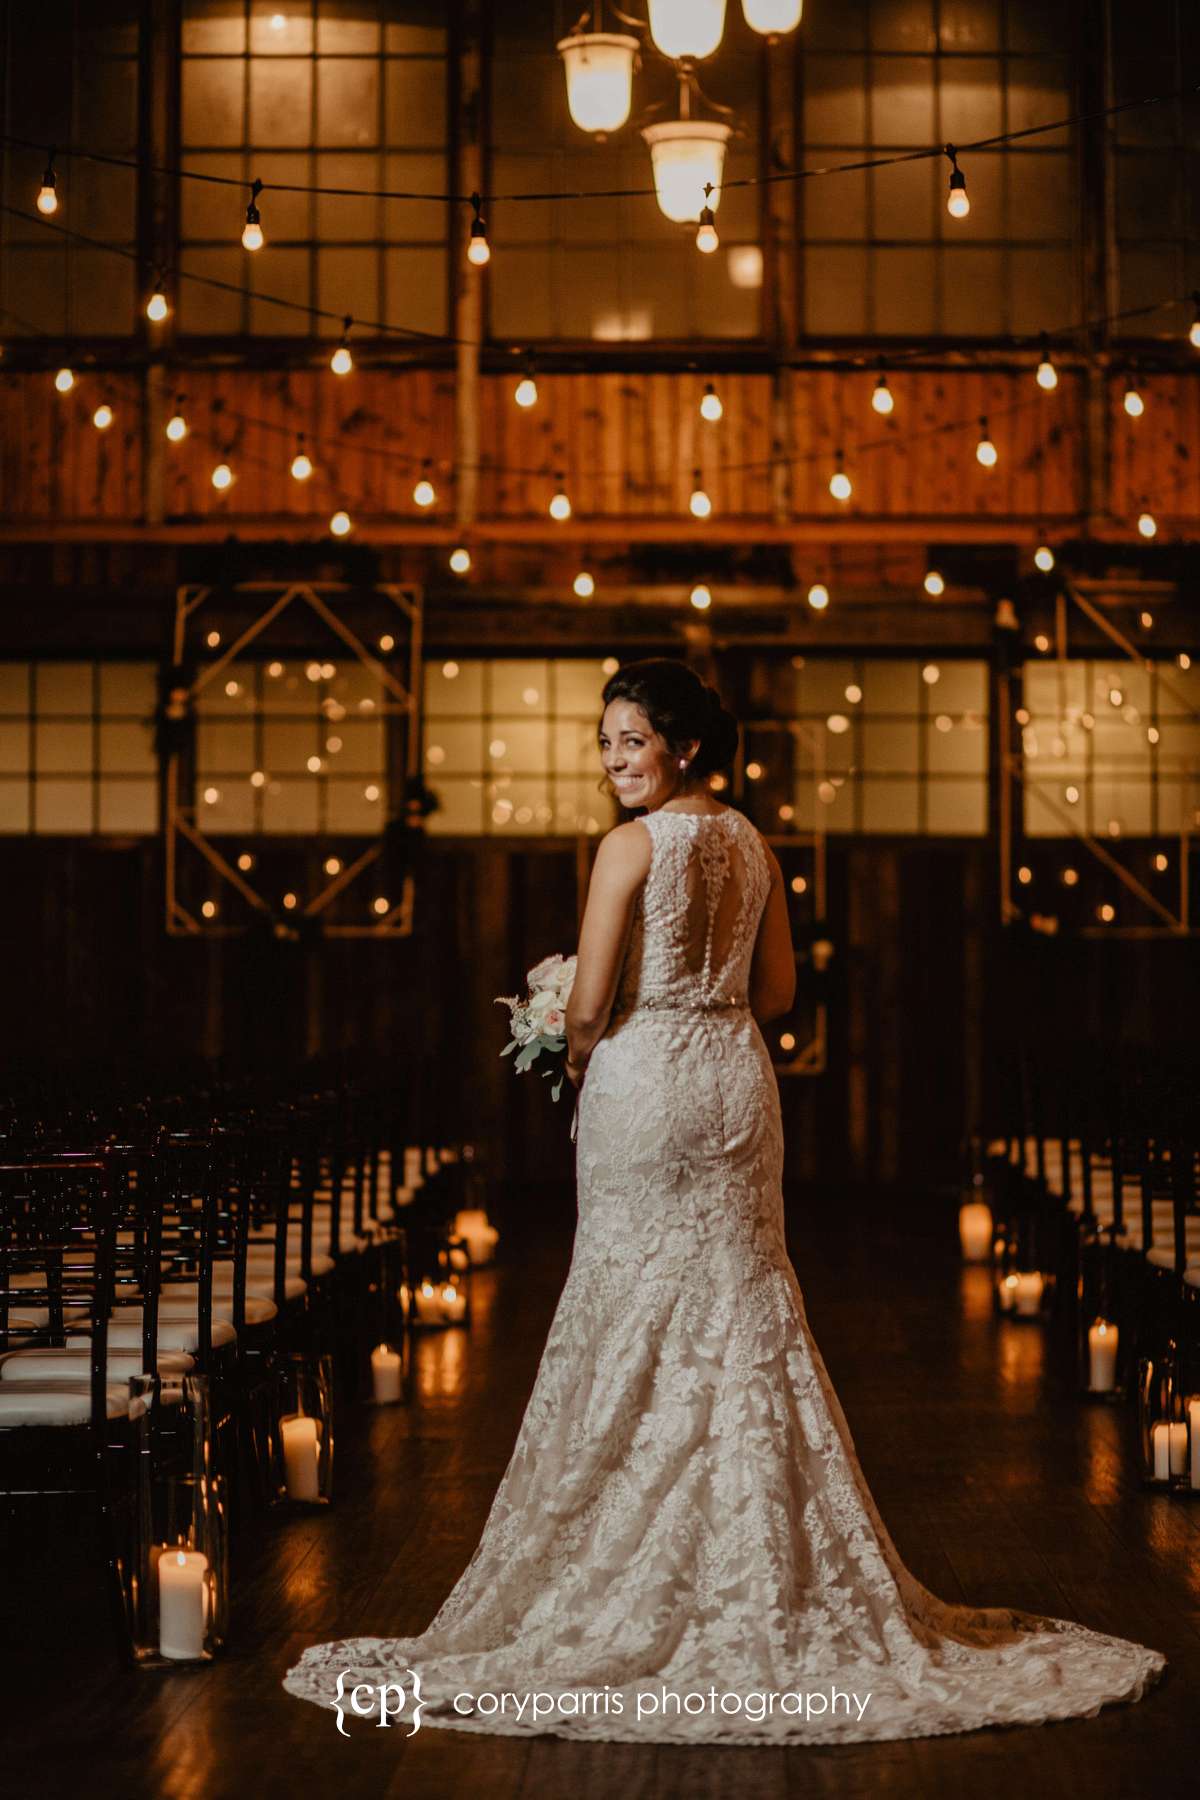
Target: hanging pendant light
{"points": [[689, 29], [772, 18], [688, 158], [599, 68]]}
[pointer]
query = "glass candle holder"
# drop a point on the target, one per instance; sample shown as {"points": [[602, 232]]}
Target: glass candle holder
{"points": [[1162, 1421], [1098, 1333], [304, 1430], [389, 1374], [174, 1574]]}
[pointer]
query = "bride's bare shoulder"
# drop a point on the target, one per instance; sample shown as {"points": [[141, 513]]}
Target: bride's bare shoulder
{"points": [[626, 849]]}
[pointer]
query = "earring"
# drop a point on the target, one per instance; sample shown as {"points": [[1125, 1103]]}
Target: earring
{"points": [[683, 762]]}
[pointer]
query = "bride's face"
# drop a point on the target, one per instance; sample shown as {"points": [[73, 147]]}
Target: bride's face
{"points": [[637, 760]]}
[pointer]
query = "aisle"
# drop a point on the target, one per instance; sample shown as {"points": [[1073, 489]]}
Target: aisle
{"points": [[997, 1486]]}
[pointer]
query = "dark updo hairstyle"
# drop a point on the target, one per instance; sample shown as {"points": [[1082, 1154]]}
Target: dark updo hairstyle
{"points": [[680, 707]]}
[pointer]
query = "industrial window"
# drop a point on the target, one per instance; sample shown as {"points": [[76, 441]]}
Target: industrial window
{"points": [[77, 751], [318, 94]]}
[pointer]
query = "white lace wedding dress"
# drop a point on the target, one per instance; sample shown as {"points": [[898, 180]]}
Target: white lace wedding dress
{"points": [[684, 1508]]}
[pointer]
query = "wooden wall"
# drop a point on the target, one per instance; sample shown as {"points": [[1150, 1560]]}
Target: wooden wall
{"points": [[626, 443]]}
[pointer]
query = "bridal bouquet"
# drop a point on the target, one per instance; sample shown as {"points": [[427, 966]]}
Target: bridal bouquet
{"points": [[538, 1020]]}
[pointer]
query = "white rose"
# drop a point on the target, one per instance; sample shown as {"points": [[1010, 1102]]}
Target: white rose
{"points": [[555, 1022], [545, 974], [541, 1003], [566, 979]]}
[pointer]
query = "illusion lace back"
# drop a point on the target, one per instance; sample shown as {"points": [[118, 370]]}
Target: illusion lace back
{"points": [[684, 1508]]}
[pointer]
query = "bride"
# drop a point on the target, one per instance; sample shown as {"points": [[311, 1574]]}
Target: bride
{"points": [[683, 1546]]}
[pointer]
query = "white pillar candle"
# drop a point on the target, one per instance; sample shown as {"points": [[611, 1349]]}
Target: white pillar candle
{"points": [[1007, 1292], [300, 1454], [454, 1304], [1194, 1432], [975, 1229], [1102, 1356], [1169, 1442], [1029, 1292], [480, 1237], [429, 1305], [182, 1603], [386, 1373]]}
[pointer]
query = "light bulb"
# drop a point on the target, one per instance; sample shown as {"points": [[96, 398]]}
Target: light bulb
{"points": [[701, 597], [424, 494], [222, 476], [525, 393], [177, 428], [985, 451], [1135, 406], [460, 560], [301, 466], [479, 250], [1047, 374], [699, 505], [771, 18], [934, 583], [706, 232], [584, 584], [818, 596], [1147, 525], [252, 234], [156, 306], [102, 418], [64, 381], [340, 524], [47, 200], [882, 398], [560, 506], [840, 485], [957, 203], [1043, 558], [710, 404], [1194, 328], [341, 362]]}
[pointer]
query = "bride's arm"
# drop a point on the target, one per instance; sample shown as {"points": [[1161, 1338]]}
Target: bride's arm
{"points": [[621, 866], [773, 968]]}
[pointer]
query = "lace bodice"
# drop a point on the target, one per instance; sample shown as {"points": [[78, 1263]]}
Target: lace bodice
{"points": [[697, 916]]}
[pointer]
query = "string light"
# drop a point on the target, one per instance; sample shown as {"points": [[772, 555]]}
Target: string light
{"points": [[1135, 406], [380, 905], [699, 505], [710, 404], [882, 398], [340, 524], [177, 426], [47, 200], [1161, 862], [1106, 913], [818, 596], [424, 494], [479, 251], [1147, 524], [525, 393], [957, 203], [252, 231], [222, 477], [64, 381], [1070, 877], [156, 306], [706, 231], [1041, 642], [103, 416], [1146, 621], [460, 560], [934, 583], [1047, 374], [701, 597], [560, 505], [985, 450], [1194, 328], [301, 463], [1043, 558], [1183, 661], [341, 362], [584, 584], [839, 482]]}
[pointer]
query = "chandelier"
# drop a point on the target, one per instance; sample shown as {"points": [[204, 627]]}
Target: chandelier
{"points": [[687, 154]]}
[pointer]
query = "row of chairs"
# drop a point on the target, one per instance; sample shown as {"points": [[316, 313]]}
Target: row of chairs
{"points": [[213, 1231]]}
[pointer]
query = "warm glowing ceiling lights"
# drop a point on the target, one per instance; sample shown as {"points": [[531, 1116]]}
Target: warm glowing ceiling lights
{"points": [[301, 463], [599, 69], [560, 504], [710, 404], [882, 398], [177, 425], [1135, 406], [699, 503], [340, 524], [47, 200], [957, 203], [840, 485], [222, 477], [584, 584], [341, 362], [64, 381], [1047, 374], [252, 231], [156, 307], [479, 251], [424, 493], [701, 597], [772, 18], [460, 560], [1043, 558], [1147, 524], [687, 28], [985, 451], [934, 583], [818, 596], [688, 160]]}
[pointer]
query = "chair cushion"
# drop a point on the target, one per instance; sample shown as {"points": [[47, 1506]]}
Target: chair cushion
{"points": [[261, 1286], [259, 1310], [72, 1362], [57, 1403], [174, 1333]]}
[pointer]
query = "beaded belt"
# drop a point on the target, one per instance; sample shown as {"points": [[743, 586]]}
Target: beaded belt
{"points": [[680, 1009]]}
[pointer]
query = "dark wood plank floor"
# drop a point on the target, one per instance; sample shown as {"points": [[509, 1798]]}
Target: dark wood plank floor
{"points": [[998, 1486]]}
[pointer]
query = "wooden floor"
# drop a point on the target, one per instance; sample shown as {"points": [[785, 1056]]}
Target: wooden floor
{"points": [[998, 1486]]}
